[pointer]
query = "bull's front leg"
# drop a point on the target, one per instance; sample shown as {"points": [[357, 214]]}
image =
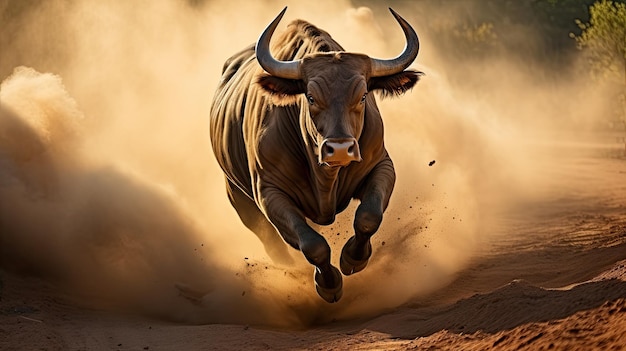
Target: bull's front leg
{"points": [[374, 197], [291, 224]]}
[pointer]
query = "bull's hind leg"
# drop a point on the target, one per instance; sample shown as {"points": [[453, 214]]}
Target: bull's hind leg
{"points": [[374, 200], [254, 220]]}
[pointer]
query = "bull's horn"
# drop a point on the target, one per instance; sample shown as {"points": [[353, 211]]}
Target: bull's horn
{"points": [[396, 65], [282, 69]]}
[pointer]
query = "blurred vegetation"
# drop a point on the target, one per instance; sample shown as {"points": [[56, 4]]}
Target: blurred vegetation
{"points": [[603, 39], [545, 39], [536, 31], [603, 42]]}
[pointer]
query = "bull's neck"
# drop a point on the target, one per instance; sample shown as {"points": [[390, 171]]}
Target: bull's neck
{"points": [[324, 179], [325, 182]]}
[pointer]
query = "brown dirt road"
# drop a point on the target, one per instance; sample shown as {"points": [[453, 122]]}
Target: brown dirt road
{"points": [[554, 279]]}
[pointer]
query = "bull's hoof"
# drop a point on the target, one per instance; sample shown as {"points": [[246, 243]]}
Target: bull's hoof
{"points": [[329, 293], [350, 265]]}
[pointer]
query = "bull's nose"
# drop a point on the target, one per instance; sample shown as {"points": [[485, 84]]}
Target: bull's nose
{"points": [[339, 151]]}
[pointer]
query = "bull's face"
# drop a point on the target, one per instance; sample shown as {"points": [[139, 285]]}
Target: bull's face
{"points": [[335, 86], [336, 92]]}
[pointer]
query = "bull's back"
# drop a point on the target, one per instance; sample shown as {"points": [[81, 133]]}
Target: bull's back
{"points": [[237, 97], [227, 115]]}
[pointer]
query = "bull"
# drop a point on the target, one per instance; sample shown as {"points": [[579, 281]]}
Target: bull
{"points": [[298, 135]]}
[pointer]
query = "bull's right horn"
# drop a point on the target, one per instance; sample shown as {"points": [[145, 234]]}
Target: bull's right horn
{"points": [[382, 68], [281, 69]]}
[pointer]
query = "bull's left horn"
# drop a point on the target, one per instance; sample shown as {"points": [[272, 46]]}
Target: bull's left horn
{"points": [[282, 69], [396, 65]]}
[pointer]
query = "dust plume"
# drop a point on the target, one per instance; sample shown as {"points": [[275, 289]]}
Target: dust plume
{"points": [[108, 183]]}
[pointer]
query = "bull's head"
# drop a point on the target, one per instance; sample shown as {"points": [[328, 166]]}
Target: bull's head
{"points": [[336, 86]]}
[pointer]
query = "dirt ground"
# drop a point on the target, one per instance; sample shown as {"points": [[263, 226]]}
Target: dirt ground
{"points": [[555, 278]]}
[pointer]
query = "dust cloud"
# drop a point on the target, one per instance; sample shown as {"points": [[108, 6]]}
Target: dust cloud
{"points": [[108, 184]]}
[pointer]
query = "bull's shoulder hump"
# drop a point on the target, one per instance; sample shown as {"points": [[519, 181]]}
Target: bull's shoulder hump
{"points": [[235, 62], [302, 38]]}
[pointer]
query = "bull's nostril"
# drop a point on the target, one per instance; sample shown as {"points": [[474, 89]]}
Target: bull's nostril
{"points": [[339, 151]]}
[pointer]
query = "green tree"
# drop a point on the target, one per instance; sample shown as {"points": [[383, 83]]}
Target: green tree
{"points": [[604, 39]]}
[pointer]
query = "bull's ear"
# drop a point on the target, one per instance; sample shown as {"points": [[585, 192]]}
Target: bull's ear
{"points": [[282, 91], [396, 84]]}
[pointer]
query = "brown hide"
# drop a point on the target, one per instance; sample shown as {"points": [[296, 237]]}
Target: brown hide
{"points": [[303, 144], [252, 137]]}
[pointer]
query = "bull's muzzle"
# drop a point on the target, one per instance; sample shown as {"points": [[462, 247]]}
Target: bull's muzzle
{"points": [[336, 152]]}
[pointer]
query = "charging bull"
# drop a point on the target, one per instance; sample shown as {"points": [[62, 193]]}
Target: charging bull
{"points": [[298, 136]]}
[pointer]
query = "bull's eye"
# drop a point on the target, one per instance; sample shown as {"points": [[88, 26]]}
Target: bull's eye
{"points": [[363, 98], [310, 99]]}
